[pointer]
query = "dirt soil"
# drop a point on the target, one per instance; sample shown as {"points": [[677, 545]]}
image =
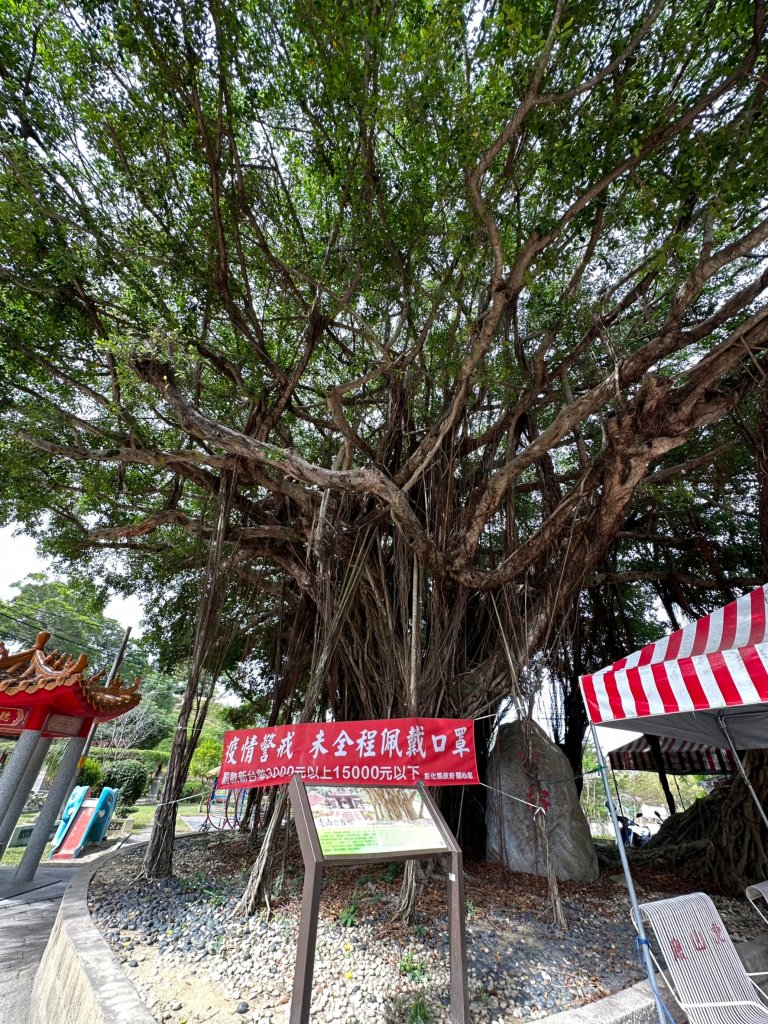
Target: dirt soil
{"points": [[506, 913]]}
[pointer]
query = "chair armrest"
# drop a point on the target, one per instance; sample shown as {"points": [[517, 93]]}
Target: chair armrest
{"points": [[735, 1002]]}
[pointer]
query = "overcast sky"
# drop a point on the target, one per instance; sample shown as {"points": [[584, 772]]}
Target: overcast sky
{"points": [[18, 558]]}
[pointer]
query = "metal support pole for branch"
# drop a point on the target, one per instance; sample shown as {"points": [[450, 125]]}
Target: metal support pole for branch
{"points": [[660, 1009], [744, 776], [118, 660]]}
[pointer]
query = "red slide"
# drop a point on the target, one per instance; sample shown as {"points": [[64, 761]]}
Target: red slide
{"points": [[76, 831]]}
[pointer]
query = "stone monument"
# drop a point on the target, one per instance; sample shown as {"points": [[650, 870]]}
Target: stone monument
{"points": [[511, 835]]}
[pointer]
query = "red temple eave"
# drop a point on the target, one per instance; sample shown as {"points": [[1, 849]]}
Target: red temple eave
{"points": [[52, 693]]}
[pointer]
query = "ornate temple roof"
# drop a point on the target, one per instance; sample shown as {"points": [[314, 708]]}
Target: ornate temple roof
{"points": [[60, 684]]}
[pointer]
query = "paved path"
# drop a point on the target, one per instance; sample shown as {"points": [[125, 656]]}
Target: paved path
{"points": [[27, 913]]}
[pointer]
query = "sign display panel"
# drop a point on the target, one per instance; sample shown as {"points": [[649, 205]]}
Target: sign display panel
{"points": [[364, 821], [390, 752], [362, 824]]}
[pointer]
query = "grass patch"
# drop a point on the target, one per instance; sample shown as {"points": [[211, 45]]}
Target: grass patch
{"points": [[144, 815], [13, 855]]}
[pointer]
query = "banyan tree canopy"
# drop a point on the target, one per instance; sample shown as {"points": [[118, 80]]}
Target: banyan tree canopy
{"points": [[56, 693]]}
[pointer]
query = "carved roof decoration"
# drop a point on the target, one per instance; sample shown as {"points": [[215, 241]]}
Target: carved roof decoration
{"points": [[55, 676]]}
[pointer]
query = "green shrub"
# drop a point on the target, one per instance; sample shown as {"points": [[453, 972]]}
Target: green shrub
{"points": [[191, 787], [412, 968], [348, 915], [418, 1012], [130, 777], [149, 758], [91, 774]]}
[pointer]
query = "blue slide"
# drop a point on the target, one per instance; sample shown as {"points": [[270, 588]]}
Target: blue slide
{"points": [[68, 815]]}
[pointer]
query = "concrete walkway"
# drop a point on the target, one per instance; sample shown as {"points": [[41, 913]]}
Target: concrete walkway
{"points": [[27, 913]]}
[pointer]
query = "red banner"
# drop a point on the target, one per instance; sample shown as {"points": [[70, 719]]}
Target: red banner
{"points": [[393, 752]]}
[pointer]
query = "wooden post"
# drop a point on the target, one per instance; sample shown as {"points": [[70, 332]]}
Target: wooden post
{"points": [[458, 941], [305, 953], [446, 848]]}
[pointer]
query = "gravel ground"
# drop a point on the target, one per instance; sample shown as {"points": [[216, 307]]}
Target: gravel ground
{"points": [[192, 961]]}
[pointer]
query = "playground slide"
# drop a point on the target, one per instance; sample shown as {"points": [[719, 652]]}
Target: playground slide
{"points": [[102, 816], [87, 823], [72, 806]]}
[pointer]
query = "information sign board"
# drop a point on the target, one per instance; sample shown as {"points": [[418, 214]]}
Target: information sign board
{"points": [[387, 752], [357, 824], [360, 821]]}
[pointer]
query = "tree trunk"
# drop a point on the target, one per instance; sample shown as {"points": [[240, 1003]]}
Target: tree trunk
{"points": [[658, 762], [530, 768], [720, 840], [158, 861], [575, 731], [258, 885], [762, 478]]}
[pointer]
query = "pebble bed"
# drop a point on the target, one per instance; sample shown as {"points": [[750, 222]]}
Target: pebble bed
{"points": [[367, 972]]}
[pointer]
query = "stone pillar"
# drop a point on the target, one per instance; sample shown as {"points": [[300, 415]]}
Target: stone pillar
{"points": [[60, 788], [16, 805], [13, 773]]}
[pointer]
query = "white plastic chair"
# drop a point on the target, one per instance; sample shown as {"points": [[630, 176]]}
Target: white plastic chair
{"points": [[703, 970], [758, 895]]}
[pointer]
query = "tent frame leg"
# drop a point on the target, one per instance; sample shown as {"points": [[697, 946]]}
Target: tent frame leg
{"points": [[638, 921], [740, 766]]}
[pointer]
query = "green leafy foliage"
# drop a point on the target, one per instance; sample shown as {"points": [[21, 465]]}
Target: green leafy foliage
{"points": [[413, 969], [206, 758], [193, 788], [348, 915], [418, 1011], [151, 760], [467, 298], [72, 612], [91, 774], [391, 871], [130, 777]]}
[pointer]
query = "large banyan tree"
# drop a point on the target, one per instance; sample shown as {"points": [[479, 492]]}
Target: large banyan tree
{"points": [[432, 314]]}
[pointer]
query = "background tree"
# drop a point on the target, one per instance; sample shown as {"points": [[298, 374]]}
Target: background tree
{"points": [[72, 611], [429, 292]]}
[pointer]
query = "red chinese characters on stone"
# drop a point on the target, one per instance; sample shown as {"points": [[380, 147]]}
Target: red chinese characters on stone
{"points": [[394, 752]]}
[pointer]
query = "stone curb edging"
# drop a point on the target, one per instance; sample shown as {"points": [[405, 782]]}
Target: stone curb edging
{"points": [[80, 982], [636, 1005]]}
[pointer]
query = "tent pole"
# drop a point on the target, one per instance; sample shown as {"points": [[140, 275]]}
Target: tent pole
{"points": [[638, 921], [618, 794], [744, 776]]}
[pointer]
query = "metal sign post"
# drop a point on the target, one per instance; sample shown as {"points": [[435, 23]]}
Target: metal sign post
{"points": [[348, 834]]}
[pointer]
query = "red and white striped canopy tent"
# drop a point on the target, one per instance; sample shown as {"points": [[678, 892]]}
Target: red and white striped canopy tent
{"points": [[711, 671], [706, 683], [679, 757]]}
